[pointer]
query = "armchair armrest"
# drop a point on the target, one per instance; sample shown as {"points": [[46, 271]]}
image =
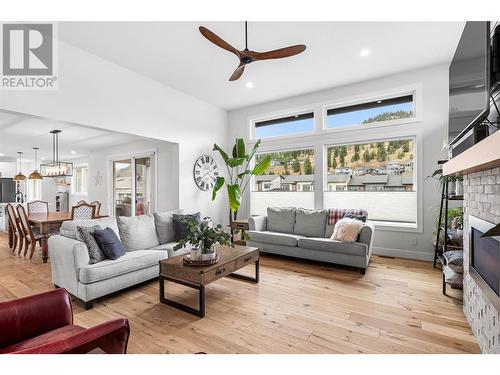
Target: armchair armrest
{"points": [[32, 316], [111, 337], [67, 256], [258, 223]]}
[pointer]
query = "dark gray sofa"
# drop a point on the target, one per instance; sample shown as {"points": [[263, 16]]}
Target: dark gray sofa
{"points": [[305, 234]]}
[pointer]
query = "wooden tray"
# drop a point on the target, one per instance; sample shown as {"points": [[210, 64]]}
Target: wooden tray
{"points": [[199, 263]]}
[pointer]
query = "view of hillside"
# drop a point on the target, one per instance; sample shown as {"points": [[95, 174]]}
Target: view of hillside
{"points": [[290, 162]]}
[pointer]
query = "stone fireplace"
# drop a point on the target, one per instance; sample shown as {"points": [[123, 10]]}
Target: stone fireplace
{"points": [[481, 200]]}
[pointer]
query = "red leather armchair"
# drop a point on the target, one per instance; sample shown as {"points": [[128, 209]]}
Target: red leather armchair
{"points": [[43, 324]]}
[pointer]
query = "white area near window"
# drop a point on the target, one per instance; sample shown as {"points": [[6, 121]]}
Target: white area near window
{"points": [[79, 182], [260, 201], [34, 190]]}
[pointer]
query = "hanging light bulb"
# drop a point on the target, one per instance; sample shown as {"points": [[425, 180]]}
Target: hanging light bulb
{"points": [[35, 175], [20, 176], [56, 168]]}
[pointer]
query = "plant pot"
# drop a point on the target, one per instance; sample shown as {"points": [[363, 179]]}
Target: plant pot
{"points": [[195, 254], [459, 188], [460, 232], [451, 187], [208, 256]]}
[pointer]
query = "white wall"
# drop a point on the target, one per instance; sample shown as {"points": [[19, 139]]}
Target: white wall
{"points": [[432, 129], [8, 169], [98, 93]]}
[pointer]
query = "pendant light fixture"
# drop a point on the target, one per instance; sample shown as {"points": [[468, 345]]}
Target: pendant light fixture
{"points": [[20, 176], [35, 175], [56, 168]]}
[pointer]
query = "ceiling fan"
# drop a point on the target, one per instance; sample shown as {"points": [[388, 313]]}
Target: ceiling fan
{"points": [[246, 56]]}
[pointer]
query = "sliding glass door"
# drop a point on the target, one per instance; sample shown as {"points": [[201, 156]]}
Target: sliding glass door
{"points": [[133, 185]]}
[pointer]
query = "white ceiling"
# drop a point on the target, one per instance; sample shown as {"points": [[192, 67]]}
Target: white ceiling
{"points": [[22, 133], [176, 54]]}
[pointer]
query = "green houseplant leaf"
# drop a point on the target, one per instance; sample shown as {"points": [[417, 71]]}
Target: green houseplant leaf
{"points": [[262, 166], [235, 162], [221, 152], [234, 194], [239, 149], [254, 150], [219, 183]]}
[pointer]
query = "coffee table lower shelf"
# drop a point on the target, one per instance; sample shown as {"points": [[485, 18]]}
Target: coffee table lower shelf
{"points": [[200, 312]]}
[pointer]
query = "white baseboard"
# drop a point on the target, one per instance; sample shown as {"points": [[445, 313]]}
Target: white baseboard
{"points": [[408, 254]]}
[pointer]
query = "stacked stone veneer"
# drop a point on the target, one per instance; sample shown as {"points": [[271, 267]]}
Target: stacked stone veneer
{"points": [[481, 199]]}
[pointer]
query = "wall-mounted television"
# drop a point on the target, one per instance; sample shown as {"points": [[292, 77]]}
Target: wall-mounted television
{"points": [[469, 81]]}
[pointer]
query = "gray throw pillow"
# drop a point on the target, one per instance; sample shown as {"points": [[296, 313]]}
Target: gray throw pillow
{"points": [[181, 229], [310, 223], [165, 226], [138, 232], [87, 236], [281, 219]]}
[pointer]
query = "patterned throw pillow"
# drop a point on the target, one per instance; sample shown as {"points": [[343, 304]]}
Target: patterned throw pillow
{"points": [[455, 260], [87, 235], [350, 215]]}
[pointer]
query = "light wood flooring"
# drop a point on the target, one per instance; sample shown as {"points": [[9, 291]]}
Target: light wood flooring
{"points": [[298, 307]]}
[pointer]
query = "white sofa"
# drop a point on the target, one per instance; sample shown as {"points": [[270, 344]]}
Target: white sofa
{"points": [[69, 256]]}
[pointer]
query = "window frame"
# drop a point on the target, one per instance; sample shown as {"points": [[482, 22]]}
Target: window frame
{"points": [[277, 116], [73, 179]]}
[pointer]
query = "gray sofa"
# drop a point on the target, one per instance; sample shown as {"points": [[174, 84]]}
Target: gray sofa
{"points": [[147, 240], [302, 233]]}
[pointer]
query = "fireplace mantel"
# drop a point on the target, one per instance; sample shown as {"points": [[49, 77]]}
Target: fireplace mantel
{"points": [[480, 157]]}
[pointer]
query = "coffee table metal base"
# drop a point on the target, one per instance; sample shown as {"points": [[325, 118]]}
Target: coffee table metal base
{"points": [[201, 292]]}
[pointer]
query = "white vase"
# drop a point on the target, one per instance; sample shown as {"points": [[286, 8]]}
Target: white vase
{"points": [[451, 187], [195, 254], [459, 187], [207, 256]]}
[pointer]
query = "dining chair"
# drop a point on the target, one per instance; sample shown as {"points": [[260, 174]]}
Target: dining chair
{"points": [[38, 207], [97, 205], [31, 236], [17, 233], [80, 202], [83, 211]]}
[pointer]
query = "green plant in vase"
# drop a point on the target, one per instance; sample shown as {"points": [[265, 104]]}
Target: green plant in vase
{"points": [[239, 173], [203, 238]]}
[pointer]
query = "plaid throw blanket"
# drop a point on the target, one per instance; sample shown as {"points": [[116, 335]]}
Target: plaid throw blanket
{"points": [[335, 214]]}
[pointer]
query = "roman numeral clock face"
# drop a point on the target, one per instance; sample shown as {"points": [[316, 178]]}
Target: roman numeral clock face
{"points": [[205, 172]]}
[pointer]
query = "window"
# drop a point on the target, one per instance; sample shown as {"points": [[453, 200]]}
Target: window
{"points": [[377, 176], [296, 124], [79, 185], [34, 188], [289, 181], [371, 112]]}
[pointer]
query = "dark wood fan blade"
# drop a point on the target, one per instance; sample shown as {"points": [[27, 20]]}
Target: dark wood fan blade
{"points": [[279, 53], [218, 41], [237, 73]]}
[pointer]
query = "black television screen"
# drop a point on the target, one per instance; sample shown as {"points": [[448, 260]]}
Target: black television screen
{"points": [[469, 80]]}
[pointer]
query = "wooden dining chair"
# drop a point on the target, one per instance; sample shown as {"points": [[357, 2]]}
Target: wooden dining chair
{"points": [[31, 237], [17, 233], [80, 202], [38, 207], [83, 211], [97, 205]]}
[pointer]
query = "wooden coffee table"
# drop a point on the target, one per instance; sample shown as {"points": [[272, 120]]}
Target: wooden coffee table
{"points": [[231, 259]]}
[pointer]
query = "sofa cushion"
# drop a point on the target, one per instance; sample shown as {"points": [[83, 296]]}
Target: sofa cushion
{"points": [[138, 232], [181, 228], [69, 228], [169, 247], [274, 238], [165, 226], [109, 243], [130, 262], [281, 219], [310, 223], [95, 252], [326, 244]]}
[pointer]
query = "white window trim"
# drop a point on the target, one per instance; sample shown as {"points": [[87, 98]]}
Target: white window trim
{"points": [[79, 194], [401, 128]]}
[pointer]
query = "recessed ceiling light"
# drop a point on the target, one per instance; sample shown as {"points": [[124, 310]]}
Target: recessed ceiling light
{"points": [[249, 85], [73, 152], [364, 52], [42, 158], [2, 154], [379, 101]]}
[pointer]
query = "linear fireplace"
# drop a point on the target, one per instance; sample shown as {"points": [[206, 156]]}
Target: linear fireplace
{"points": [[484, 259]]}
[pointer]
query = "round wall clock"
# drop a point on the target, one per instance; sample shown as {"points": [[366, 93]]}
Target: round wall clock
{"points": [[205, 172]]}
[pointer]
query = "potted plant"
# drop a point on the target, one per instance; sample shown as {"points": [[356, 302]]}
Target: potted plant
{"points": [[239, 173], [203, 238]]}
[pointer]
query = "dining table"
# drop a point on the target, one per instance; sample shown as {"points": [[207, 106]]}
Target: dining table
{"points": [[47, 222]]}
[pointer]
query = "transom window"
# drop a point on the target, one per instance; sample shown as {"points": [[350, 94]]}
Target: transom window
{"points": [[295, 124], [371, 112]]}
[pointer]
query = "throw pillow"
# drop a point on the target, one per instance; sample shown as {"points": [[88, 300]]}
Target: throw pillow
{"points": [[181, 229], [87, 236], [453, 278], [138, 232], [310, 223], [165, 226], [350, 215], [109, 243], [347, 230], [455, 260], [281, 219]]}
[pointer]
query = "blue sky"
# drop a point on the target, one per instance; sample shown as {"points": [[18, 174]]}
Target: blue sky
{"points": [[336, 121]]}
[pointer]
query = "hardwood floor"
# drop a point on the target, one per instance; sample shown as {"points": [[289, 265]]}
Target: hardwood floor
{"points": [[298, 307]]}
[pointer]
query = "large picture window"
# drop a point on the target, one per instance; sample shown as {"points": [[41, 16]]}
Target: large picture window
{"points": [[296, 124], [289, 181], [377, 176], [371, 112]]}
